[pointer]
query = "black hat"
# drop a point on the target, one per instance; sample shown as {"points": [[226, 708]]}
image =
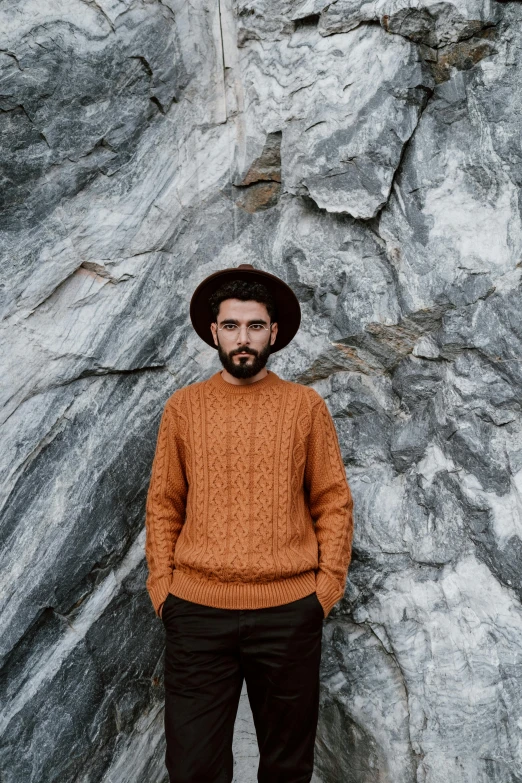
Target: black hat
{"points": [[288, 309]]}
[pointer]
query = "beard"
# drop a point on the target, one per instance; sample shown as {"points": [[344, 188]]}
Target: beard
{"points": [[246, 367]]}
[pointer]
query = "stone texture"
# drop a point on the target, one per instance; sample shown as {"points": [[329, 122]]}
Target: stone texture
{"points": [[367, 152], [429, 22]]}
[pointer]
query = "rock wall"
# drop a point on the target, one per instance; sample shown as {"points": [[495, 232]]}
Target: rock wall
{"points": [[368, 152]]}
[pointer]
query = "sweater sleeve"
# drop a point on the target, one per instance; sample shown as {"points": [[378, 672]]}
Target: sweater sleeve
{"points": [[331, 506], [165, 507]]}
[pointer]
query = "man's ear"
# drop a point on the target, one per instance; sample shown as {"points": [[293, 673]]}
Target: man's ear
{"points": [[274, 333], [213, 329]]}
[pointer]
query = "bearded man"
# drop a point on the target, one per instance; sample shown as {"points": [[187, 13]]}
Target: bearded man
{"points": [[249, 533]]}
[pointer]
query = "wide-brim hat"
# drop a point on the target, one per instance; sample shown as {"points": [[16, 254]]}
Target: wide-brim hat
{"points": [[287, 304]]}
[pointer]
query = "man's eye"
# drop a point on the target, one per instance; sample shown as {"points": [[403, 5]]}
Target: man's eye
{"points": [[229, 327], [256, 327]]}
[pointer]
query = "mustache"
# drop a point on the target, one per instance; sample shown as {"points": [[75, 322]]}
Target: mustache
{"points": [[243, 350]]}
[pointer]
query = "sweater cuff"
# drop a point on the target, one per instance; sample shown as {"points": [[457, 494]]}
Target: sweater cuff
{"points": [[328, 591], [159, 591]]}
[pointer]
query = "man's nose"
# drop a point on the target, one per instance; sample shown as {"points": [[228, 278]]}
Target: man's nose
{"points": [[243, 335]]}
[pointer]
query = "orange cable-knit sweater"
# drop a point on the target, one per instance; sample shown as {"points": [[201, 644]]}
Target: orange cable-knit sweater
{"points": [[248, 504]]}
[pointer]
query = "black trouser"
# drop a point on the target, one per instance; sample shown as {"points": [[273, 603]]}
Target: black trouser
{"points": [[277, 651]]}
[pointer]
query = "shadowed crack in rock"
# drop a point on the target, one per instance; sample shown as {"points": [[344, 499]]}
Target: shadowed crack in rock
{"points": [[260, 187], [420, 25], [94, 372]]}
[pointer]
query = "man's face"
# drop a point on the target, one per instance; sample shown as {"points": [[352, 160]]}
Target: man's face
{"points": [[243, 335]]}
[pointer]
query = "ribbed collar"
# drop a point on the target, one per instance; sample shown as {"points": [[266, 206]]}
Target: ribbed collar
{"points": [[267, 382]]}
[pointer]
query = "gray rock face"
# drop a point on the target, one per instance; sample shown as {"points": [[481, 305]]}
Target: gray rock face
{"points": [[430, 22], [344, 131], [368, 153]]}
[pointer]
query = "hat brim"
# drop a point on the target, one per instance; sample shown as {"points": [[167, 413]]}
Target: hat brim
{"points": [[287, 304]]}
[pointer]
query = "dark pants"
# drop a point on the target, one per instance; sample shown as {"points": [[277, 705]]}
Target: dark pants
{"points": [[209, 651]]}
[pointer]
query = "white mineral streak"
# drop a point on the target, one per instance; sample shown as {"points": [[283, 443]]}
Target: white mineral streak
{"points": [[369, 154], [140, 754], [446, 639], [47, 665]]}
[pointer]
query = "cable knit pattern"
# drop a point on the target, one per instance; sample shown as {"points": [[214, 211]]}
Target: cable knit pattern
{"points": [[248, 504]]}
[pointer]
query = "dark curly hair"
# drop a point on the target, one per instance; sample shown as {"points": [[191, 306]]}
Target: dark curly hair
{"points": [[246, 292]]}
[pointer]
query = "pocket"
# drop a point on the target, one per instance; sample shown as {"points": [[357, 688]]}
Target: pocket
{"points": [[166, 604], [175, 606], [311, 604], [319, 604]]}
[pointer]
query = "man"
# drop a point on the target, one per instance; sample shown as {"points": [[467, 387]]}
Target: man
{"points": [[249, 531]]}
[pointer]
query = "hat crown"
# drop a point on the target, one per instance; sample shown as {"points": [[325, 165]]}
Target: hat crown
{"points": [[245, 266]]}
